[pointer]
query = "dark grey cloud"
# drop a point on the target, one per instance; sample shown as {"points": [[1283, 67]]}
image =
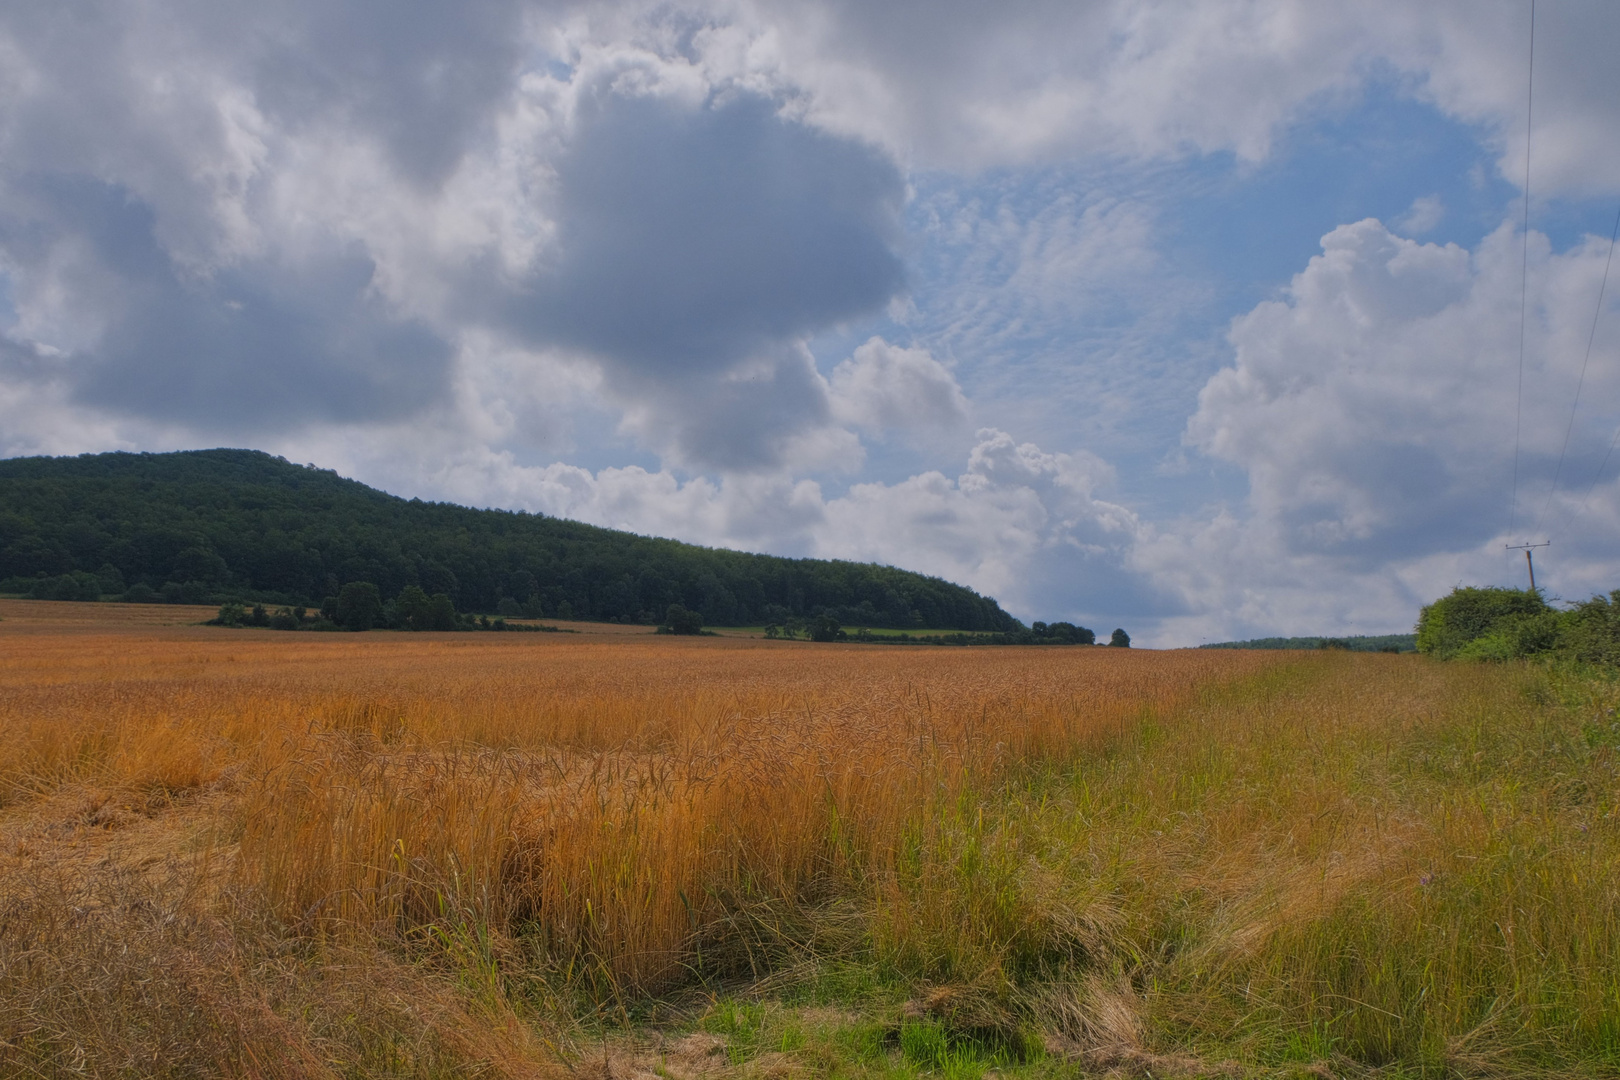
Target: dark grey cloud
{"points": [[418, 74], [697, 246], [265, 345]]}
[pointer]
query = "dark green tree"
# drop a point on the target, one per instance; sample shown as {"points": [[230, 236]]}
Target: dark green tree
{"points": [[441, 613], [826, 628], [411, 608], [678, 620], [359, 606], [1120, 639]]}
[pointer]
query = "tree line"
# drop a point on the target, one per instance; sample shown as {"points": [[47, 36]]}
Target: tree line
{"points": [[218, 526]]}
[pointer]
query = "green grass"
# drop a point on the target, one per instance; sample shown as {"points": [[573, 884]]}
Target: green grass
{"points": [[1368, 862]]}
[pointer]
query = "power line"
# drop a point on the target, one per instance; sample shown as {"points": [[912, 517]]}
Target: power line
{"points": [[1581, 382], [1595, 478], [1524, 269]]}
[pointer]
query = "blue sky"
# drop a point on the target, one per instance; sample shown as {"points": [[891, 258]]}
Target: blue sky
{"points": [[1202, 320]]}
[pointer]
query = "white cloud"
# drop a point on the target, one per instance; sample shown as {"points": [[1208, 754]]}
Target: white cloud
{"points": [[1373, 409], [883, 387], [1425, 213]]}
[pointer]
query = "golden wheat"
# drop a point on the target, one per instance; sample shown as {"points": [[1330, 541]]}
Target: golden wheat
{"points": [[1279, 857]]}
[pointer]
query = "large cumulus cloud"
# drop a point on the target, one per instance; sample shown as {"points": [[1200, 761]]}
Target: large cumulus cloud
{"points": [[1374, 408]]}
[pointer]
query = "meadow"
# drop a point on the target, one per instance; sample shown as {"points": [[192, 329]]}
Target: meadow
{"points": [[241, 853]]}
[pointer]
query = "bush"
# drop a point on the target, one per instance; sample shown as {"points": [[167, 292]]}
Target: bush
{"points": [[1120, 639], [231, 614], [1449, 624], [1590, 631], [1506, 624]]}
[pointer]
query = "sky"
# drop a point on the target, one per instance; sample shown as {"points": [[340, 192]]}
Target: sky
{"points": [[1208, 320]]}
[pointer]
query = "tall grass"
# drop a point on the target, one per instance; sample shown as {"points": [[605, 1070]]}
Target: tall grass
{"points": [[1159, 861]]}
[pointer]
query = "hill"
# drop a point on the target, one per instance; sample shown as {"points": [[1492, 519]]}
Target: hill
{"points": [[206, 525], [1362, 643]]}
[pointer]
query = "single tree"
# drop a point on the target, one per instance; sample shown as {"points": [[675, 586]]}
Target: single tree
{"points": [[678, 620], [826, 628], [1120, 639], [441, 613], [359, 606], [411, 608]]}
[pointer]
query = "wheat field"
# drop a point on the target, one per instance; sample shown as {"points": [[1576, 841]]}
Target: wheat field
{"points": [[233, 852]]}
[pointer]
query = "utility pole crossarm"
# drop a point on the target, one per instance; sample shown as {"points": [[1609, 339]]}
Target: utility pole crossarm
{"points": [[1529, 563]]}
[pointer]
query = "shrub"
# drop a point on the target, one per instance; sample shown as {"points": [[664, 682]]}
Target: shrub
{"points": [[1120, 639], [1590, 631], [1449, 624]]}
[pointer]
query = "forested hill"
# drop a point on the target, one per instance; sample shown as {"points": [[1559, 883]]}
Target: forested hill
{"points": [[204, 525]]}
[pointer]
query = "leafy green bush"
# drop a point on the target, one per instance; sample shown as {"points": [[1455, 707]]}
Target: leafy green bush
{"points": [[1590, 631], [1451, 623], [1506, 624]]}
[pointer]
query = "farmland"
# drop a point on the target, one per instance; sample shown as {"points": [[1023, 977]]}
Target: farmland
{"points": [[235, 852]]}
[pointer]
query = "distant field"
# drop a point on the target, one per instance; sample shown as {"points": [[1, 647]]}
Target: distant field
{"points": [[1354, 643], [253, 853]]}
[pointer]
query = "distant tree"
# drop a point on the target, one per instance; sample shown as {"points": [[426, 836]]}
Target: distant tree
{"points": [[441, 613], [1120, 639], [509, 607], [231, 614], [411, 608], [678, 620], [258, 616], [359, 606], [284, 619], [826, 628]]}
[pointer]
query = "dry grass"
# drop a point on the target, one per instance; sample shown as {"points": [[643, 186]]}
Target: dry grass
{"points": [[248, 853]]}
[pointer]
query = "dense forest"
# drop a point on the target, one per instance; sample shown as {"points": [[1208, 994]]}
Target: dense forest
{"points": [[212, 526]]}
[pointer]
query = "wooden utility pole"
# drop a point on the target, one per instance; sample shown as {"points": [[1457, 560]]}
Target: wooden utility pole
{"points": [[1528, 561]]}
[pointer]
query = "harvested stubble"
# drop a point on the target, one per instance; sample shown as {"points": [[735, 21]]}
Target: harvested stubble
{"points": [[1155, 858]]}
